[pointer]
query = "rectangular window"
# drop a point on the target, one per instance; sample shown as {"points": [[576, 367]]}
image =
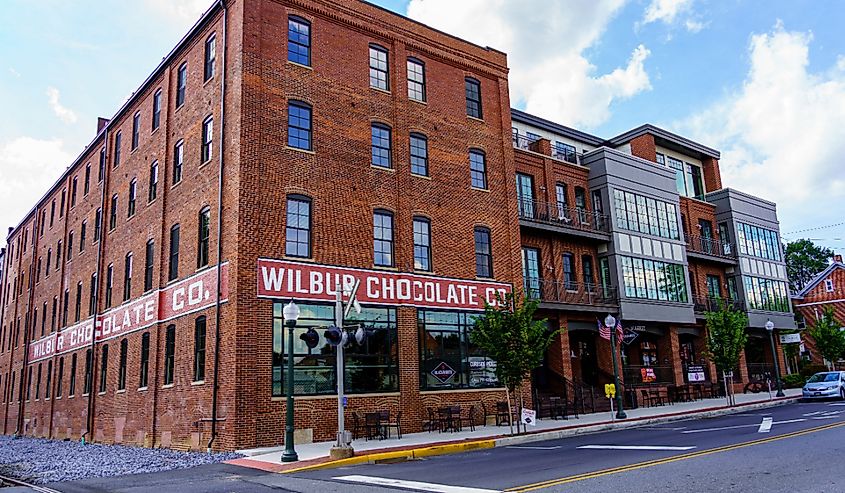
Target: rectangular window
{"points": [[109, 281], [98, 222], [69, 255], [169, 354], [86, 185], [587, 270], [61, 210], [448, 358], [101, 170], [136, 129], [654, 280], [209, 59], [478, 169], [379, 77], [419, 154], [199, 349], [37, 383], [416, 80], [130, 210], [422, 244], [113, 213], [156, 109], [473, 97], [145, 360], [299, 41], [298, 227], [73, 188], [381, 145], [153, 182], [766, 294], [483, 253], [203, 236], [54, 314], [60, 377], [714, 287], [71, 385], [314, 370], [104, 367], [525, 195], [49, 386], [83, 231], [207, 132], [569, 282], [562, 203], [52, 212], [92, 298], [299, 125], [121, 367], [118, 138], [531, 272], [149, 258], [173, 268], [178, 159], [127, 277], [77, 312], [758, 242], [181, 84], [65, 307], [645, 215], [383, 238]]}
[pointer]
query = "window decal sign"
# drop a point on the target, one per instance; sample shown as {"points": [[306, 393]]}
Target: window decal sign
{"points": [[443, 372], [305, 281], [181, 298]]}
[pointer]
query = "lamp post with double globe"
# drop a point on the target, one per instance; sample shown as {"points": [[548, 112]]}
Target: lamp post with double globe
{"points": [[610, 323], [291, 315]]}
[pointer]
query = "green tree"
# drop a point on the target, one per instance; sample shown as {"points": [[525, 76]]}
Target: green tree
{"points": [[509, 334], [805, 259], [830, 341], [726, 338]]}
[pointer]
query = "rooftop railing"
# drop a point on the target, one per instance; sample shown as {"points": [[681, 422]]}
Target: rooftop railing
{"points": [[710, 246]]}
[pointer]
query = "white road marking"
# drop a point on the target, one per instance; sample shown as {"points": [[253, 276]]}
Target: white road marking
{"points": [[529, 447], [837, 404], [811, 414], [703, 430], [679, 428], [413, 485], [633, 447], [765, 426], [824, 417]]}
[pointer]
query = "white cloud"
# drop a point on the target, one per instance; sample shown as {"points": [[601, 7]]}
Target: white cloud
{"points": [[783, 132], [182, 12], [66, 115], [14, 72], [694, 26], [665, 10], [28, 167], [545, 42]]}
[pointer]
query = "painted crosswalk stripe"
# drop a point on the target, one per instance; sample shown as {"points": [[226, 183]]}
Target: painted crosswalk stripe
{"points": [[765, 426], [735, 427], [412, 485], [633, 447]]}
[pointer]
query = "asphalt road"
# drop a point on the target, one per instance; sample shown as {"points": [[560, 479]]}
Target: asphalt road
{"points": [[801, 452]]}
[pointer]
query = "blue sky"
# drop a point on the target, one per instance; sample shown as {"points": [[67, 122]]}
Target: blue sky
{"points": [[762, 81]]}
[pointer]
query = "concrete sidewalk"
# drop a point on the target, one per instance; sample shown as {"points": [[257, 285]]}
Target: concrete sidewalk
{"points": [[314, 455]]}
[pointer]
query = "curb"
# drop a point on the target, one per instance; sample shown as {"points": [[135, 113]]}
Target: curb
{"points": [[503, 441]]}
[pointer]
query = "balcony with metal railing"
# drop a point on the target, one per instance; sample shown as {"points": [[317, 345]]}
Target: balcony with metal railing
{"points": [[572, 221], [706, 248], [566, 154], [702, 304], [564, 294]]}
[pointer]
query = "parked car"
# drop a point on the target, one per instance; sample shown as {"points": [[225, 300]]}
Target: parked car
{"points": [[825, 385]]}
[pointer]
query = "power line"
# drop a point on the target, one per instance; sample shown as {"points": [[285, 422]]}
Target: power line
{"points": [[815, 228]]}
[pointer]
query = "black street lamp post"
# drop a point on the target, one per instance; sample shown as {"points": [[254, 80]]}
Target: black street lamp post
{"points": [[770, 327], [291, 315], [610, 323]]}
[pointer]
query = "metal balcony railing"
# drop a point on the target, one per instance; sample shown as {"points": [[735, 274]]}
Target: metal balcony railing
{"points": [[563, 216], [703, 303], [568, 155], [524, 142], [710, 246], [573, 293]]}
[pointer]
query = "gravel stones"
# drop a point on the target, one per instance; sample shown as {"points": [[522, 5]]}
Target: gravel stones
{"points": [[39, 460]]}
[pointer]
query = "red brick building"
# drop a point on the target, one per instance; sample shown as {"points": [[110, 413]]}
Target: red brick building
{"points": [[287, 147], [825, 291]]}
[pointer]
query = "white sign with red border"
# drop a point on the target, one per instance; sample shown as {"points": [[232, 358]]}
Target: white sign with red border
{"points": [[305, 281]]}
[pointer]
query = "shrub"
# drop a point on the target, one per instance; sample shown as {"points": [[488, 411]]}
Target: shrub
{"points": [[810, 370], [793, 381]]}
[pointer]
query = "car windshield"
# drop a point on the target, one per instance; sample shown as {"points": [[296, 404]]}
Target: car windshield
{"points": [[824, 377]]}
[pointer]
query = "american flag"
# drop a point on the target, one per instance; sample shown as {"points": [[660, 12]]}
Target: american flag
{"points": [[604, 332]]}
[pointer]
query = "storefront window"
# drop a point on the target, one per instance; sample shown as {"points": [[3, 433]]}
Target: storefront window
{"points": [[448, 360], [371, 367]]}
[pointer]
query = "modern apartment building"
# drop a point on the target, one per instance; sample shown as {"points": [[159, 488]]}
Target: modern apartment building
{"points": [[285, 147], [640, 226]]}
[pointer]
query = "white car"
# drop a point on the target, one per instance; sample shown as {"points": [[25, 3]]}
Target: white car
{"points": [[825, 385]]}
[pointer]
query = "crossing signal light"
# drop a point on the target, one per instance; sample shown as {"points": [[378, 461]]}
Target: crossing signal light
{"points": [[335, 336], [361, 335], [311, 338]]}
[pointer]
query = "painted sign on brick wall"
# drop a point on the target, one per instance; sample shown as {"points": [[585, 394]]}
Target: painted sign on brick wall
{"points": [[305, 281], [180, 298]]}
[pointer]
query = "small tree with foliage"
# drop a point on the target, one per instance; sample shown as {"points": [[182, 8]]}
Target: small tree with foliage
{"points": [[830, 341], [509, 334], [726, 338], [804, 259]]}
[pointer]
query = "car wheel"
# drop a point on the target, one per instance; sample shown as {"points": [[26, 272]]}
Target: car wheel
{"points": [[842, 393]]}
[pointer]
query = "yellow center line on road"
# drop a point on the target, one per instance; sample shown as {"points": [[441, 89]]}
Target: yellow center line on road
{"points": [[676, 458]]}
